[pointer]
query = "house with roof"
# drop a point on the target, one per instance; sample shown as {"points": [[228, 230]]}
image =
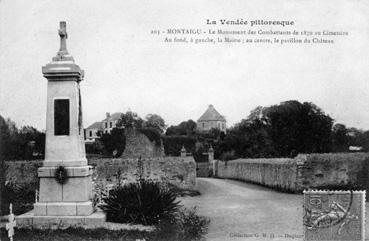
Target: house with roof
{"points": [[93, 131], [211, 119]]}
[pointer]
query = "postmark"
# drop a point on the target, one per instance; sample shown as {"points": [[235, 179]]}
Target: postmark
{"points": [[334, 215]]}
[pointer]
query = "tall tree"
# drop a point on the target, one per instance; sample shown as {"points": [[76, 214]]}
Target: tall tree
{"points": [[340, 140], [155, 121], [130, 120], [184, 128], [296, 127]]}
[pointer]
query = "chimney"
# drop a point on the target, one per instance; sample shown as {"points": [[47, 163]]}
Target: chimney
{"points": [[107, 114]]}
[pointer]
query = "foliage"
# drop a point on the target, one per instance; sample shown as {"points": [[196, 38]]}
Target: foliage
{"points": [[356, 137], [152, 133], [96, 147], [156, 122], [144, 202], [340, 140], [22, 196], [20, 144], [298, 128], [114, 142], [227, 156], [173, 144], [130, 120], [185, 224], [282, 130], [4, 134], [184, 128]]}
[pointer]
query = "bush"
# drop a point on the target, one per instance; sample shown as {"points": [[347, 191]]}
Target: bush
{"points": [[173, 144], [144, 202], [114, 142], [22, 197], [153, 135], [96, 147], [184, 224]]}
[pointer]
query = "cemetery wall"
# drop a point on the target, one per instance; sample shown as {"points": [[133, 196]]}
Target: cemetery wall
{"points": [[273, 172], [180, 171], [304, 171]]}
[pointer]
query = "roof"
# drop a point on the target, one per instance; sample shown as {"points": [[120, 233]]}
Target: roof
{"points": [[211, 114], [115, 116], [96, 125]]}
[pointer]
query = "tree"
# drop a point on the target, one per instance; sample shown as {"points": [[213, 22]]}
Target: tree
{"points": [[184, 128], [22, 144], [296, 127], [339, 138], [282, 130], [130, 120], [155, 121], [4, 142], [114, 142]]}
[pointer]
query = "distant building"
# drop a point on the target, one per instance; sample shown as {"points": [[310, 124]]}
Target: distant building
{"points": [[211, 119], [105, 126], [92, 132]]}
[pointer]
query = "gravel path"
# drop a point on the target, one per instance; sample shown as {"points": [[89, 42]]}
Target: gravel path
{"points": [[242, 211]]}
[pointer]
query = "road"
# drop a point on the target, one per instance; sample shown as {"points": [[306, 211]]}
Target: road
{"points": [[242, 211]]}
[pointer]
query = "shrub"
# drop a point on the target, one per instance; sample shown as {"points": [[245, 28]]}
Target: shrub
{"points": [[173, 144], [114, 142], [22, 197], [144, 202], [227, 156], [184, 224], [153, 135]]}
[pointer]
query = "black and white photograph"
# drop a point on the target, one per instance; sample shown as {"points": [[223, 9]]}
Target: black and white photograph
{"points": [[163, 120]]}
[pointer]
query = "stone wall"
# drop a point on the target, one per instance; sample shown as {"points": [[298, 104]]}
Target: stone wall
{"points": [[304, 171], [276, 173], [22, 171], [180, 171], [139, 145]]}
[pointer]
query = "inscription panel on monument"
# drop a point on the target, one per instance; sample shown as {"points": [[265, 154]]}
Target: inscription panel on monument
{"points": [[61, 117]]}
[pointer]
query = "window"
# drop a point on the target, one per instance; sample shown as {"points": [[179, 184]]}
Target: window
{"points": [[111, 124], [203, 125], [106, 124], [90, 133], [61, 117]]}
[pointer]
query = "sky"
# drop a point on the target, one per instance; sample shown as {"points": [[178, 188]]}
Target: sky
{"points": [[128, 68]]}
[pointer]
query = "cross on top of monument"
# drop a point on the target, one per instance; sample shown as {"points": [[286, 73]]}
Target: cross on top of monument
{"points": [[63, 54], [63, 38]]}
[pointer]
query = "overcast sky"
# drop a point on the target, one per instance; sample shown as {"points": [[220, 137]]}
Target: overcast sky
{"points": [[127, 67]]}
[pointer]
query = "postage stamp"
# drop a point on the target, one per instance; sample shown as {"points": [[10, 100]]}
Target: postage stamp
{"points": [[334, 215]]}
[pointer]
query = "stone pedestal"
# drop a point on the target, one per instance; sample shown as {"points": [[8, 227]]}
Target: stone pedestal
{"points": [[71, 198]]}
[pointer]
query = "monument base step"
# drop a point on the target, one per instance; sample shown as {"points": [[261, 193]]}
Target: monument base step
{"points": [[29, 220], [94, 221]]}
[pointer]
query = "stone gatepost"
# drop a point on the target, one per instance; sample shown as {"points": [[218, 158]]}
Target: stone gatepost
{"points": [[65, 178], [211, 155], [183, 152]]}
